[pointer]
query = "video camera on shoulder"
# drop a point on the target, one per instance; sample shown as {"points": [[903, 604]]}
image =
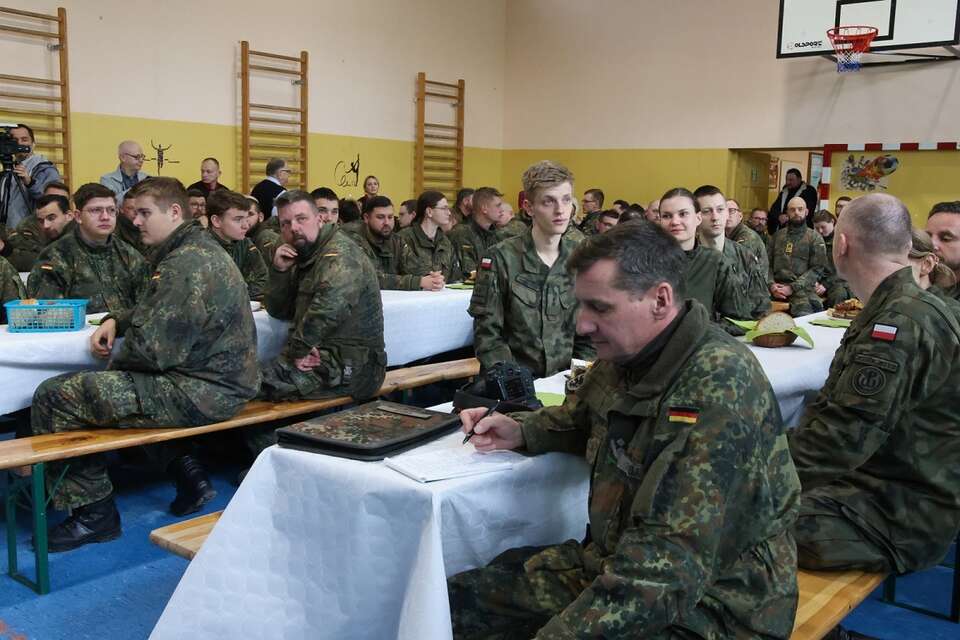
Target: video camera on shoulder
{"points": [[9, 147], [507, 383]]}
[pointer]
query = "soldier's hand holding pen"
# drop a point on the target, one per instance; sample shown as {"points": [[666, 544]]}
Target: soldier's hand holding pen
{"points": [[493, 432]]}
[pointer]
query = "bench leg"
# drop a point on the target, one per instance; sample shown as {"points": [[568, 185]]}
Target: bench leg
{"points": [[890, 593], [38, 502]]}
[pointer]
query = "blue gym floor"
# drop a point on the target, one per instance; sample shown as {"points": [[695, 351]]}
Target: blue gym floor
{"points": [[117, 590]]}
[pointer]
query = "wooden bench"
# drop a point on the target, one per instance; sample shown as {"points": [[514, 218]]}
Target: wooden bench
{"points": [[37, 450], [825, 597]]}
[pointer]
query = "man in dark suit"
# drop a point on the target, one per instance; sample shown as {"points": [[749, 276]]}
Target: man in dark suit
{"points": [[278, 174], [793, 187]]}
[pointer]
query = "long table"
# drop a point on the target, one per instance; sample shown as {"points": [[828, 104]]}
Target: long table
{"points": [[417, 324], [315, 546]]}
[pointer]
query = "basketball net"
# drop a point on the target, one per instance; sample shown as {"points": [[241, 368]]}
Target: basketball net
{"points": [[850, 43]]}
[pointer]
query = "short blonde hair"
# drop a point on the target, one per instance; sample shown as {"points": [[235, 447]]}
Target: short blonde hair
{"points": [[543, 175]]}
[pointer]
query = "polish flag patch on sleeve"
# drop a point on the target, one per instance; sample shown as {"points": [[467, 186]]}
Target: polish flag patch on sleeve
{"points": [[884, 332], [685, 415], [486, 263]]}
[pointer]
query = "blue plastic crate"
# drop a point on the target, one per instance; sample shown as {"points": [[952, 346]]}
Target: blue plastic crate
{"points": [[46, 315]]}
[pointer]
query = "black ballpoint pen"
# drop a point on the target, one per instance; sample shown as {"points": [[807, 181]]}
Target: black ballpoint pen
{"points": [[471, 433]]}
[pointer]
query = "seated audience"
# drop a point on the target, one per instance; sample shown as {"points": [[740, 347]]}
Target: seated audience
{"points": [[406, 213], [692, 491], [474, 237], [266, 239], [53, 219], [324, 285], [11, 287], [126, 230], [428, 252], [188, 358], [798, 261], [592, 205], [198, 206], [523, 306], [328, 205], [209, 177], [607, 220], [92, 262], [32, 173], [930, 274], [943, 225], [877, 450], [349, 211], [833, 288], [708, 277], [652, 212], [266, 191], [509, 224], [129, 171], [758, 222], [388, 254], [712, 234], [463, 207], [745, 236], [228, 213], [371, 189]]}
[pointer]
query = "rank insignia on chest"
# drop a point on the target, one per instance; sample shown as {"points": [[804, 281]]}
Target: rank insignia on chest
{"points": [[47, 267], [486, 263], [686, 415], [884, 332], [330, 255], [788, 249]]}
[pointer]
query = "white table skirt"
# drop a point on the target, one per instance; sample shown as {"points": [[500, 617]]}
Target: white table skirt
{"points": [[417, 324]]}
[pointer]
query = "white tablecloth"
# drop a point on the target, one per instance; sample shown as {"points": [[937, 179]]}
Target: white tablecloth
{"points": [[417, 324]]}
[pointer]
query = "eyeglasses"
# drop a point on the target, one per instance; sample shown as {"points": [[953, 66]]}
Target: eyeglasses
{"points": [[99, 211], [139, 157], [447, 208], [732, 209]]}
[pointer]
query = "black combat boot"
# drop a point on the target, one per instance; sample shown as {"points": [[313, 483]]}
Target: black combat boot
{"points": [[194, 488], [95, 522]]}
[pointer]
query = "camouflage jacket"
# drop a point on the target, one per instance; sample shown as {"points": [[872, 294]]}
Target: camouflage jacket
{"points": [[472, 242], [130, 234], [692, 495], [193, 326], [111, 277], [249, 260], [11, 287], [389, 257], [753, 274], [28, 241], [524, 311], [837, 288], [798, 257], [267, 241], [573, 233], [514, 228], [881, 437], [755, 244], [332, 299], [423, 255], [715, 282]]}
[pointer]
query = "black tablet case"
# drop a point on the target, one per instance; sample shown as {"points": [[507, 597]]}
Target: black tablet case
{"points": [[371, 431]]}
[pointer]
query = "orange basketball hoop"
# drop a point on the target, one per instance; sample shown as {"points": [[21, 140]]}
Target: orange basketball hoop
{"points": [[850, 43]]}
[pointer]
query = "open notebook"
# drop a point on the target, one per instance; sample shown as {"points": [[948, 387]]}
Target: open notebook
{"points": [[448, 462]]}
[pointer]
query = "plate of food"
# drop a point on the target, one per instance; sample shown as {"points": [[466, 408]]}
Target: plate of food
{"points": [[846, 310]]}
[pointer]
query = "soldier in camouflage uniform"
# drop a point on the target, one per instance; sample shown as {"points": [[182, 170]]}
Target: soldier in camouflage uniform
{"points": [[833, 289], [877, 451], [510, 226], [228, 213], [128, 231], [523, 308], [92, 262], [474, 237], [327, 288], [708, 277], [188, 358], [943, 225], [266, 239], [746, 237], [712, 232], [427, 250], [388, 254], [798, 260], [592, 204], [692, 495], [53, 219], [11, 287]]}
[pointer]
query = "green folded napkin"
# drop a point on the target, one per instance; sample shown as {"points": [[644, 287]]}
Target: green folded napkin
{"points": [[799, 331], [95, 321], [550, 399], [836, 323], [459, 285], [746, 325]]}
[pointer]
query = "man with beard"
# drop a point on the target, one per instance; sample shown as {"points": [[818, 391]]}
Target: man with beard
{"points": [[523, 306], [798, 259], [943, 225], [387, 252], [794, 187]]}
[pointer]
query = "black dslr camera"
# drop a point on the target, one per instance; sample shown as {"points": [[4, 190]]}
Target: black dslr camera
{"points": [[506, 383], [9, 147]]}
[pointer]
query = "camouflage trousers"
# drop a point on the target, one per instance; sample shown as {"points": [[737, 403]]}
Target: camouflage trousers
{"points": [[518, 593], [105, 399], [803, 302], [830, 539]]}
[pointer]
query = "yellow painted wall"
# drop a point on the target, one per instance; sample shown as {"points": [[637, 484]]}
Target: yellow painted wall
{"points": [[923, 179]]}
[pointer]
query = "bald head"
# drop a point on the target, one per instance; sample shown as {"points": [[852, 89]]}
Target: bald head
{"points": [[797, 209], [878, 225], [131, 157]]}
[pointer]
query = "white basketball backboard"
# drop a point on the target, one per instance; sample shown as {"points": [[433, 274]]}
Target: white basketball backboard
{"points": [[902, 24]]}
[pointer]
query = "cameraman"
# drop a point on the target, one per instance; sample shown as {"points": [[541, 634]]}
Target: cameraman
{"points": [[20, 189]]}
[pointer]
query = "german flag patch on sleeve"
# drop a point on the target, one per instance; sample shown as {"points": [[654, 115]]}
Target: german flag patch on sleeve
{"points": [[686, 415]]}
